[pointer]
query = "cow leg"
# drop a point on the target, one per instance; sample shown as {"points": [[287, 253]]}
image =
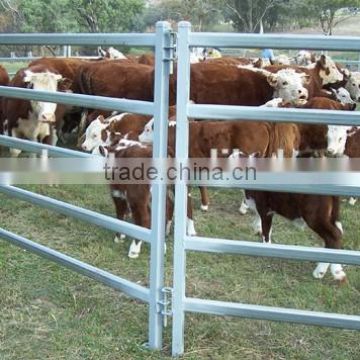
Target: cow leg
{"points": [[121, 207], [257, 226], [331, 234], [169, 211], [141, 214], [266, 222], [204, 198], [15, 152], [243, 209], [190, 228]]}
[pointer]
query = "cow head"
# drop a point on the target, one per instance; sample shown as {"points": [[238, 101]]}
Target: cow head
{"points": [[336, 138], [289, 85], [147, 136], [95, 134], [328, 71], [45, 81], [304, 58], [342, 95], [353, 85], [282, 59]]}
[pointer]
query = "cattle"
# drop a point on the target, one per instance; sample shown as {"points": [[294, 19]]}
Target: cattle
{"points": [[281, 59], [111, 53], [324, 74], [319, 212], [136, 197], [146, 59], [104, 132], [212, 83], [239, 136], [33, 119], [4, 81], [305, 58], [353, 85]]}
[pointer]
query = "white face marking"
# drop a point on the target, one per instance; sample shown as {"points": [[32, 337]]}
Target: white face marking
{"points": [[147, 136], [336, 139], [45, 81], [289, 85], [353, 86], [337, 272], [282, 59], [343, 96], [303, 58], [116, 54], [334, 74], [93, 135]]}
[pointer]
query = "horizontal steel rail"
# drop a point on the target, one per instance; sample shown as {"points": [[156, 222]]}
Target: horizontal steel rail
{"points": [[104, 39], [308, 116], [19, 58], [271, 313], [320, 189], [277, 41], [290, 252], [76, 212], [38, 148], [87, 101], [104, 277]]}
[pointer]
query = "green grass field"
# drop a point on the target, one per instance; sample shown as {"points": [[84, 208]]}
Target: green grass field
{"points": [[52, 313]]}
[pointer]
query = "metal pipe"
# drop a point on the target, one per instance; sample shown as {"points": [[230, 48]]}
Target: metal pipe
{"points": [[104, 277], [76, 212]]}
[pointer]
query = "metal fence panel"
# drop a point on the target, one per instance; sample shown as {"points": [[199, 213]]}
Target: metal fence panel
{"points": [[183, 243]]}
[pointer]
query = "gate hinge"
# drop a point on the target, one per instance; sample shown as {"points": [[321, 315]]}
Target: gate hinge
{"points": [[166, 303]]}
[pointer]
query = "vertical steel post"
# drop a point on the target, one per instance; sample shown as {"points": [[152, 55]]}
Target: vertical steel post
{"points": [[158, 204], [182, 140]]}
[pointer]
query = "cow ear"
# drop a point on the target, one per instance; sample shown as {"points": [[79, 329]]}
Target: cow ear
{"points": [[103, 151], [272, 79], [322, 61], [305, 79], [258, 63], [65, 84], [101, 118], [347, 73]]}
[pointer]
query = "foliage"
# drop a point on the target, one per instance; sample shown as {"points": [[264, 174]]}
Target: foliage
{"points": [[330, 13], [106, 16]]}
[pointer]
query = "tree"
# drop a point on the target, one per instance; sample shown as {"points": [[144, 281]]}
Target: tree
{"points": [[107, 16], [330, 13], [247, 15], [200, 13]]}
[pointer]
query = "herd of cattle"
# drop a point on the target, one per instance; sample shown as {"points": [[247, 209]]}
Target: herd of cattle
{"points": [[311, 82]]}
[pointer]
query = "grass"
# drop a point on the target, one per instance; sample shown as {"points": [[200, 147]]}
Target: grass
{"points": [[52, 313]]}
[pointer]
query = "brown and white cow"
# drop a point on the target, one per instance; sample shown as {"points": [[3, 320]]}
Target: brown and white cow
{"points": [[4, 81], [33, 120], [319, 212], [105, 132], [136, 197], [212, 83]]}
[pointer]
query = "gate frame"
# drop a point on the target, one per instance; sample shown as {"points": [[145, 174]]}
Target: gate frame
{"points": [[163, 42], [184, 243]]}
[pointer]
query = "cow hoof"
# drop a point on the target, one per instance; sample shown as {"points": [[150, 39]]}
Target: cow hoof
{"points": [[204, 207], [340, 276], [119, 238], [352, 201], [133, 255], [134, 250], [318, 274], [243, 209]]}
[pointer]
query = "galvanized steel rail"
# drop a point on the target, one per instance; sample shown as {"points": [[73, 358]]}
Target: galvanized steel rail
{"points": [[184, 243]]}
